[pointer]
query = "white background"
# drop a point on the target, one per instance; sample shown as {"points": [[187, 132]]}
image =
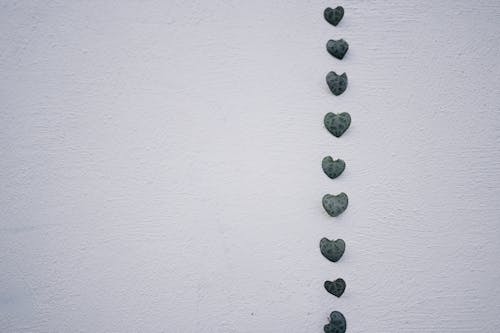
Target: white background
{"points": [[160, 166]]}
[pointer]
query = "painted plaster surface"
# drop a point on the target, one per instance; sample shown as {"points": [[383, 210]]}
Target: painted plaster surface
{"points": [[160, 166]]}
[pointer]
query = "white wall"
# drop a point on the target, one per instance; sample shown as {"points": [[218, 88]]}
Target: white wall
{"points": [[160, 166]]}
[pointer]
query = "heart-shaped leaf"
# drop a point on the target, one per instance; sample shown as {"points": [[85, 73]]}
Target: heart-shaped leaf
{"points": [[334, 16], [337, 124], [332, 249], [337, 48], [336, 287], [337, 323], [336, 83], [335, 205], [332, 168]]}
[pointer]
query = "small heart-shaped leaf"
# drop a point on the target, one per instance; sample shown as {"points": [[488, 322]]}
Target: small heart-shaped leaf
{"points": [[337, 48], [336, 83], [334, 16], [337, 323], [332, 168], [335, 205], [332, 249], [337, 124], [336, 287]]}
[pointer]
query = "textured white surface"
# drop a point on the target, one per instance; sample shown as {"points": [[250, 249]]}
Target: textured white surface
{"points": [[160, 166]]}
